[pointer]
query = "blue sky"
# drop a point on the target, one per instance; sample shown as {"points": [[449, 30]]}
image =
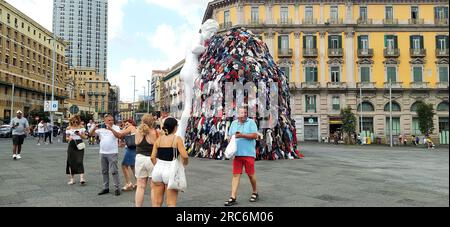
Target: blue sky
{"points": [[144, 35]]}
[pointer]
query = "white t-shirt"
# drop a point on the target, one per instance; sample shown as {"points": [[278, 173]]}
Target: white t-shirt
{"points": [[71, 133], [108, 142], [41, 128]]}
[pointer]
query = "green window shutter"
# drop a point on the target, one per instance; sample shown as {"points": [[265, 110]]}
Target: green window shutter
{"points": [[438, 46], [315, 41], [421, 42], [435, 12], [279, 42], [395, 42], [446, 41], [411, 42], [385, 41], [340, 41], [329, 42], [359, 42], [417, 74], [443, 74], [304, 42], [446, 12]]}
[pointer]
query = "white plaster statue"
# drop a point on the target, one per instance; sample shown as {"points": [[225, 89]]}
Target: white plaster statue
{"points": [[190, 70]]}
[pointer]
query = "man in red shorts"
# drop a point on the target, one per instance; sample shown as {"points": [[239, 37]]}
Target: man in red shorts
{"points": [[245, 130]]}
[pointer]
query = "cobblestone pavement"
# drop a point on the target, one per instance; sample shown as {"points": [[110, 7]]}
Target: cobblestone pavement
{"points": [[328, 176]]}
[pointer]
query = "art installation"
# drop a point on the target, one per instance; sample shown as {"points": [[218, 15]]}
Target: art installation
{"points": [[216, 67]]}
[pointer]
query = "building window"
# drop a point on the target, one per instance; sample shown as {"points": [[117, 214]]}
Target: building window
{"points": [[334, 13], [389, 13], [310, 103], [414, 12], [336, 103], [415, 106], [390, 42], [309, 13], [283, 43], [311, 74], [365, 74], [309, 42], [391, 72], [366, 107], [417, 74], [415, 127], [443, 74], [416, 42], [227, 17], [363, 42], [395, 107], [335, 74], [395, 126], [443, 107], [443, 124], [284, 15], [442, 42], [441, 12], [363, 13], [255, 15], [367, 124], [334, 42]]}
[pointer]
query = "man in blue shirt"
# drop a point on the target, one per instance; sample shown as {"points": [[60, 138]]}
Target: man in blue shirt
{"points": [[245, 130]]}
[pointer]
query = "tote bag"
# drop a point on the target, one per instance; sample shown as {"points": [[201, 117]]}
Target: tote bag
{"points": [[177, 177], [231, 148]]}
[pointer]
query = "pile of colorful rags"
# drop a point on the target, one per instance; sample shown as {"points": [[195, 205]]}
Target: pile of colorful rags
{"points": [[239, 56]]}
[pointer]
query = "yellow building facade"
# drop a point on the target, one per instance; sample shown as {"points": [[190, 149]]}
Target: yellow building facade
{"points": [[333, 51], [26, 61], [90, 88]]}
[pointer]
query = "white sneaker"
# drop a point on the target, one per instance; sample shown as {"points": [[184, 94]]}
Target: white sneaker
{"points": [[14, 156], [39, 144], [18, 157]]}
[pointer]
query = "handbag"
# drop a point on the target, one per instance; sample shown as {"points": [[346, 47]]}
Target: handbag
{"points": [[231, 148], [130, 141], [177, 176], [80, 145]]}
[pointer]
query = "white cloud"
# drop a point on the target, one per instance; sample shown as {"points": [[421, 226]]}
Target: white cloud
{"points": [[40, 11], [115, 18], [191, 10]]}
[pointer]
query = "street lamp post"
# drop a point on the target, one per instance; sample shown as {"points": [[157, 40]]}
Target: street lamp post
{"points": [[145, 103], [361, 113], [390, 113], [12, 101], [134, 96]]}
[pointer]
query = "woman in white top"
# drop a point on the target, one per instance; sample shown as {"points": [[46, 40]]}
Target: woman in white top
{"points": [[75, 134]]}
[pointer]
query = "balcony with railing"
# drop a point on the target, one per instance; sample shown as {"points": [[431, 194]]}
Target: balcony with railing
{"points": [[392, 21], [226, 25], [335, 52], [391, 53], [310, 52], [416, 21], [310, 85], [441, 53], [442, 85], [254, 22], [335, 21], [310, 21], [285, 53], [365, 53], [441, 21], [419, 85], [366, 85], [337, 85], [394, 85], [418, 52], [90, 93], [285, 21], [363, 21]]}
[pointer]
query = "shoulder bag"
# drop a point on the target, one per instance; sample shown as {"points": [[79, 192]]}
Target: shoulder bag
{"points": [[177, 176]]}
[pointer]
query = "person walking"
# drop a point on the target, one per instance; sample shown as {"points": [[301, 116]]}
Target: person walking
{"points": [[246, 132], [20, 129], [41, 131], [162, 157], [146, 137], [48, 132], [128, 164], [75, 134], [109, 153]]}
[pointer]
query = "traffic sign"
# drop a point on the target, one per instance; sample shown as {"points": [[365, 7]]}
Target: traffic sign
{"points": [[74, 109], [50, 107]]}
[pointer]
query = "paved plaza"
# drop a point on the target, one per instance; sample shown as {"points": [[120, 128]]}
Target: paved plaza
{"points": [[328, 176]]}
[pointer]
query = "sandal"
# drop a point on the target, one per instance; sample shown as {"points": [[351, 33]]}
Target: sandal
{"points": [[128, 187], [254, 198], [231, 202]]}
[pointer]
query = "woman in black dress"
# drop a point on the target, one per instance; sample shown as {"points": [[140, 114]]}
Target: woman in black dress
{"points": [[75, 134]]}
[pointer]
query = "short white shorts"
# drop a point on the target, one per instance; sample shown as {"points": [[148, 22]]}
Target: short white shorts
{"points": [[143, 167], [161, 172]]}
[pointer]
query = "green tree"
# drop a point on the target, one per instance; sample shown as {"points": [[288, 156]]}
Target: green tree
{"points": [[86, 117], [348, 123], [425, 115], [143, 107], [40, 114]]}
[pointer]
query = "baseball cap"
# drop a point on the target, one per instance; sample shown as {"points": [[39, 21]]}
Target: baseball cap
{"points": [[19, 112]]}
